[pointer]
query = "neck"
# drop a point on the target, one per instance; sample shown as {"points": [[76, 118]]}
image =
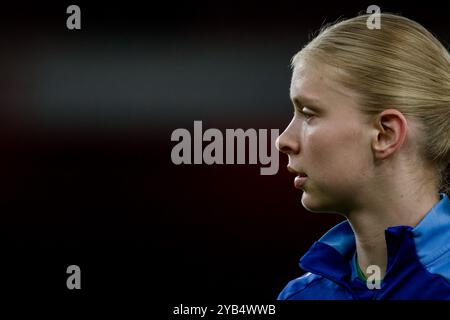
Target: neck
{"points": [[380, 213]]}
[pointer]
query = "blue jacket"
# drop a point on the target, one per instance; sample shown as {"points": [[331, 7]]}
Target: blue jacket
{"points": [[418, 264]]}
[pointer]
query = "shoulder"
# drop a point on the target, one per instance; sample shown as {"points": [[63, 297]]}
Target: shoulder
{"points": [[314, 287], [440, 265], [298, 285]]}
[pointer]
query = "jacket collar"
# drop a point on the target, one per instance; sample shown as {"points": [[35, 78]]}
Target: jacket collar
{"points": [[331, 255], [431, 234]]}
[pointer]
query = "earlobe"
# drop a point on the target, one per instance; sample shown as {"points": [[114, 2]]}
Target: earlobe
{"points": [[390, 133]]}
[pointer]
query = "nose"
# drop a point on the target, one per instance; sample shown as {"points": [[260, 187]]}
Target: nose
{"points": [[288, 141]]}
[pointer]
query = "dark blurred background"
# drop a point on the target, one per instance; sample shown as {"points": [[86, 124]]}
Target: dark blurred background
{"points": [[86, 118]]}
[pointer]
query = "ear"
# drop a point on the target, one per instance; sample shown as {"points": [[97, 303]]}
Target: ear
{"points": [[390, 133]]}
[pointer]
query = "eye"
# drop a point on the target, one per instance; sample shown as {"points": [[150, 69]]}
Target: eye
{"points": [[306, 115], [302, 113]]}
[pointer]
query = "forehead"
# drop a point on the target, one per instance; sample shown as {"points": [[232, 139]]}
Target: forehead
{"points": [[313, 82]]}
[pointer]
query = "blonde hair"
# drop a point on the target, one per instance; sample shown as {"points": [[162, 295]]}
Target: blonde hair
{"points": [[401, 66]]}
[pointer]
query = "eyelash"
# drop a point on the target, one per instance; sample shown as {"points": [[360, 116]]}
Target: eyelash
{"points": [[305, 115]]}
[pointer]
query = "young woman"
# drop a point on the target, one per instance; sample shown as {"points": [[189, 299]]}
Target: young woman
{"points": [[370, 140]]}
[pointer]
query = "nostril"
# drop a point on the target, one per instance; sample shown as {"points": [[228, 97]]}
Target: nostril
{"points": [[287, 144], [282, 147]]}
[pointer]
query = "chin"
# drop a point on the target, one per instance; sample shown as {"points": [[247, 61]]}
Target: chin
{"points": [[317, 204], [310, 203]]}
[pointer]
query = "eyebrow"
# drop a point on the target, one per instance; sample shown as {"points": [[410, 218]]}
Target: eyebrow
{"points": [[309, 102]]}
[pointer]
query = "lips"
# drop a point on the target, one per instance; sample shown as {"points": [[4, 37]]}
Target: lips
{"points": [[300, 180]]}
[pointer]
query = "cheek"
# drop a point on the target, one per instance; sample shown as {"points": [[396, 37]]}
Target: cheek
{"points": [[337, 153]]}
